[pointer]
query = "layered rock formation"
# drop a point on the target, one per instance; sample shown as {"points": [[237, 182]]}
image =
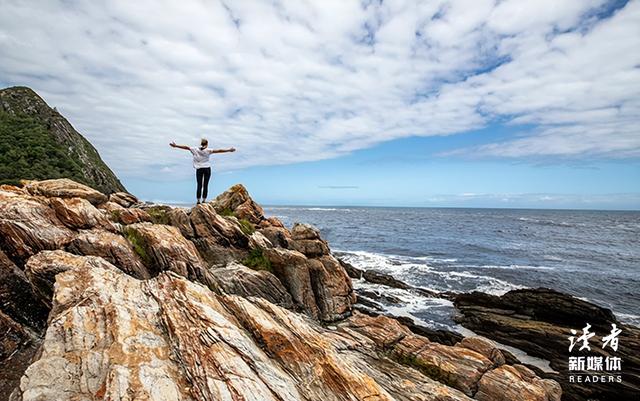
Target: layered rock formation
{"points": [[213, 303], [539, 321]]}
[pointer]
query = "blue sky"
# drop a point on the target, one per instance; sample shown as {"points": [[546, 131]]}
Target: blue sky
{"points": [[477, 103]]}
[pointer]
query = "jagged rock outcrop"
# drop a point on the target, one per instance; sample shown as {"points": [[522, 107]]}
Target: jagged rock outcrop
{"points": [[114, 337], [112, 247], [28, 225], [71, 155], [168, 309], [237, 200], [241, 280], [539, 321]]}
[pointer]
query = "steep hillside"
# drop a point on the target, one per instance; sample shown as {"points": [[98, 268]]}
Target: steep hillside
{"points": [[37, 142]]}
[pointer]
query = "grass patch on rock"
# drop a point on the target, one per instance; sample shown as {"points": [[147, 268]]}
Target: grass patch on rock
{"points": [[257, 261], [158, 215], [139, 245], [246, 226], [226, 212]]}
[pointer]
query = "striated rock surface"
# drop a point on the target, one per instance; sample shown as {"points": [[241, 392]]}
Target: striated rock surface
{"points": [[65, 188], [163, 248], [114, 337], [28, 225], [79, 213], [123, 199], [112, 247], [241, 280], [236, 200], [539, 321], [204, 304]]}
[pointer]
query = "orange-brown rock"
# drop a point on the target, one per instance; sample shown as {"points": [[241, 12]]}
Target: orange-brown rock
{"points": [[516, 383], [112, 247], [163, 248], [169, 339], [123, 199], [28, 225], [78, 213], [65, 188], [130, 216], [237, 200], [42, 269], [207, 223], [240, 280], [292, 268], [278, 236]]}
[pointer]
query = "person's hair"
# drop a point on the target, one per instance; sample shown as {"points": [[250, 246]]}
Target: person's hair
{"points": [[203, 143]]}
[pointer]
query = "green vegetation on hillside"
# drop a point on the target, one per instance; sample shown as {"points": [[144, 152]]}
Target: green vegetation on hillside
{"points": [[28, 152]]}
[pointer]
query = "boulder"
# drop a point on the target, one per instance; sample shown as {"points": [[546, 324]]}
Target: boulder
{"points": [[28, 225], [163, 248], [179, 218], [65, 188], [207, 223], [310, 248], [271, 222], [236, 200], [332, 288], [278, 236], [258, 241], [516, 383], [241, 280], [41, 270], [292, 268], [123, 199], [130, 216], [79, 213], [112, 247]]}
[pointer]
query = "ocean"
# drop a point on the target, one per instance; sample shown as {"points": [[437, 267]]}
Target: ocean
{"points": [[594, 255]]}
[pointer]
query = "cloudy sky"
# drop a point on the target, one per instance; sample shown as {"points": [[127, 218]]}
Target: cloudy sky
{"points": [[426, 103]]}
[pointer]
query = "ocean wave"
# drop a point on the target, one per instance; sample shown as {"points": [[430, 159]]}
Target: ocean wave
{"points": [[628, 318], [323, 209], [544, 222], [418, 272], [510, 267]]}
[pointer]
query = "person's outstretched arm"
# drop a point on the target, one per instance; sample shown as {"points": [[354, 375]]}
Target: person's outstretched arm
{"points": [[173, 145], [223, 150]]}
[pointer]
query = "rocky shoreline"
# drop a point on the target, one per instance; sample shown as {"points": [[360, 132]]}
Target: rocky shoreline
{"points": [[103, 297]]}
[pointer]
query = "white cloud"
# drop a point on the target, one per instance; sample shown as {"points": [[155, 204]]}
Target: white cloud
{"points": [[297, 81]]}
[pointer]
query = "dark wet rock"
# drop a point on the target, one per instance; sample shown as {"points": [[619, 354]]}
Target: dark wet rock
{"points": [[539, 322], [17, 300]]}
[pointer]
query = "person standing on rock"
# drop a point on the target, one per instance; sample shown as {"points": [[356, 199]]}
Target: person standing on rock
{"points": [[202, 165]]}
